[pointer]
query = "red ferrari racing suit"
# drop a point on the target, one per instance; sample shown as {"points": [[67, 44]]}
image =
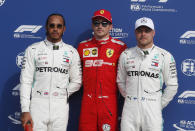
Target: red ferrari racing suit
{"points": [[99, 102]]}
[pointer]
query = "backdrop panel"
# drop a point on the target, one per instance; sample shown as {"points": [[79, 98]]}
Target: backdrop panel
{"points": [[22, 23]]}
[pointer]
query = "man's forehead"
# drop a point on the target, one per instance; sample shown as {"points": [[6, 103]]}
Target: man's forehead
{"points": [[55, 18], [99, 19]]}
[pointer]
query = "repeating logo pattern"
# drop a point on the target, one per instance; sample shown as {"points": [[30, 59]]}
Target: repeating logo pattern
{"points": [[187, 38], [146, 6], [20, 59], [185, 125], [118, 33], [187, 97], [27, 31], [2, 2]]}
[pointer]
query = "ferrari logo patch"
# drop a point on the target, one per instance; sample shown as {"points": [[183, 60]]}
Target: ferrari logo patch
{"points": [[109, 53], [101, 11]]}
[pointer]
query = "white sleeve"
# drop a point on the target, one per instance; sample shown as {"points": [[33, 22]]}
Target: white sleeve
{"points": [[75, 73], [170, 77], [26, 79], [121, 74]]}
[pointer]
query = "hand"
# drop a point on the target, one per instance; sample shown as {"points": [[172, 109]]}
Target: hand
{"points": [[25, 117]]}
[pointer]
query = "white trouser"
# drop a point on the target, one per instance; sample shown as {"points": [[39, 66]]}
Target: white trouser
{"points": [[49, 114], [140, 115]]}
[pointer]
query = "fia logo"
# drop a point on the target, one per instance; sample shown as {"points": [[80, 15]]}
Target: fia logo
{"points": [[187, 94], [188, 67], [30, 28], [16, 90], [187, 38], [27, 31], [187, 97], [135, 7], [188, 34], [15, 118], [20, 59]]}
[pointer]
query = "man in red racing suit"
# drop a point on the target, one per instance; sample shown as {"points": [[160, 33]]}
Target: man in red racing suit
{"points": [[99, 56]]}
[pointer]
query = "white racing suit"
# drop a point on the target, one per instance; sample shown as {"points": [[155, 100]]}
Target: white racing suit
{"points": [[50, 74], [140, 79]]}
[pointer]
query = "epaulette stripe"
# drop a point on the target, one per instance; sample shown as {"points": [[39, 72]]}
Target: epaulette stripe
{"points": [[118, 42], [86, 40]]}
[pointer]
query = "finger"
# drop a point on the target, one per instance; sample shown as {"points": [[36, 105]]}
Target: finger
{"points": [[23, 124], [22, 118]]}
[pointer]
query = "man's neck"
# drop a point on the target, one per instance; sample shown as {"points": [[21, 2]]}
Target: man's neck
{"points": [[53, 40], [102, 38], [145, 46]]}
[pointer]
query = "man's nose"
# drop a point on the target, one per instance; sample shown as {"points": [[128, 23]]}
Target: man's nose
{"points": [[143, 32]]}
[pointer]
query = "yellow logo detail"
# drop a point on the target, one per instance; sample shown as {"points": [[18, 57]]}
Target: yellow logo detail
{"points": [[94, 51], [86, 52], [101, 11], [109, 53]]}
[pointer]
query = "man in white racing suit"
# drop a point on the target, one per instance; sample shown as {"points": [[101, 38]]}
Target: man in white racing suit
{"points": [[51, 72], [142, 70]]}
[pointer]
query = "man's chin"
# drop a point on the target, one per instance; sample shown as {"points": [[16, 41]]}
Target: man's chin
{"points": [[143, 42], [100, 35], [55, 38]]}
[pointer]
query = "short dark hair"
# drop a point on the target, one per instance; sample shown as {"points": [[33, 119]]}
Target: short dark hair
{"points": [[56, 14]]}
